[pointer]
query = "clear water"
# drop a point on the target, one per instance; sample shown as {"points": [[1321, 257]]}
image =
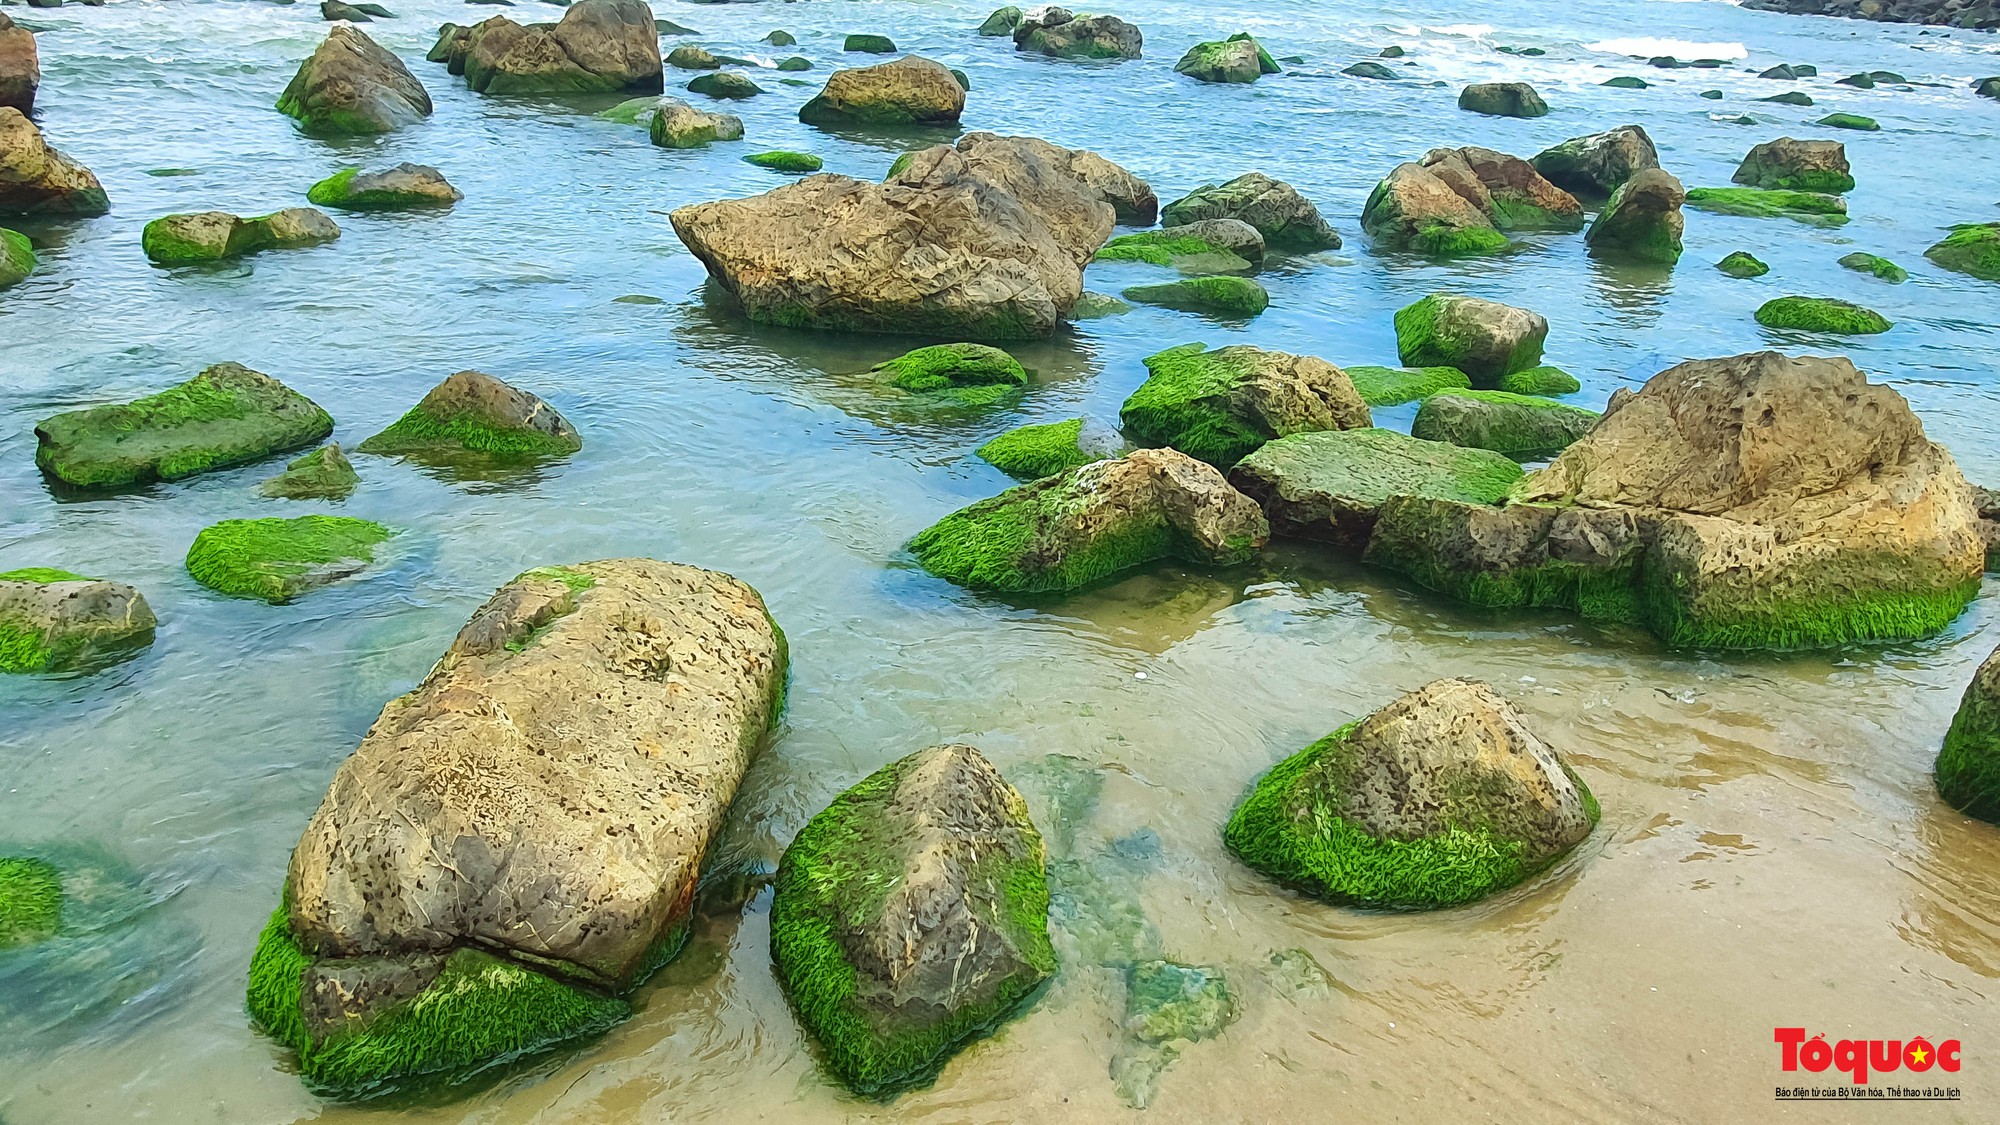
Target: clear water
{"points": [[1771, 852]]}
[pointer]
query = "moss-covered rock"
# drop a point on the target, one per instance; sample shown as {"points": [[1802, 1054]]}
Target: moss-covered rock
{"points": [[1093, 522], [276, 560], [1034, 452], [792, 163], [472, 412], [52, 620], [323, 474], [403, 187], [1804, 206], [1742, 263], [211, 236], [1594, 166], [1187, 253], [598, 47], [687, 56], [1789, 97], [1394, 386], [1789, 165], [911, 917], [1057, 33], [225, 416], [869, 44], [1970, 248], [1222, 295], [351, 86], [1968, 766], [727, 84], [1239, 60], [1286, 219], [1413, 208], [1371, 70], [1094, 306], [1166, 1001], [17, 257], [1850, 121], [1002, 22], [1626, 82], [1503, 99], [676, 124], [1821, 314], [1220, 405], [1443, 797], [1876, 266], [908, 91], [1485, 339], [31, 901], [35, 179], [1542, 380], [1524, 427], [966, 374], [1642, 222], [794, 63], [1331, 485]]}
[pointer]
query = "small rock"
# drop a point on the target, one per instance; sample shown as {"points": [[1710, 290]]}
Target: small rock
{"points": [[1222, 295], [1222, 405], [690, 57], [1741, 263], [1503, 99], [1970, 248], [795, 163], [1821, 314], [725, 84], [211, 236], [35, 179], [1287, 220], [20, 67], [869, 44], [1055, 32], [1367, 69], [276, 560], [908, 91], [1484, 339], [1002, 22], [323, 474], [473, 412], [402, 187], [677, 124], [1524, 427], [1879, 267], [57, 621]]}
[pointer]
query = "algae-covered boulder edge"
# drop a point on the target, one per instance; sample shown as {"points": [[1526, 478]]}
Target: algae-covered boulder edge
{"points": [[1222, 295], [1972, 249], [1443, 797], [1968, 765], [1219, 406], [1821, 314], [1036, 451], [1485, 339], [1525, 427], [53, 620], [911, 917], [276, 560], [17, 257], [474, 412], [1330, 485], [1394, 386]]}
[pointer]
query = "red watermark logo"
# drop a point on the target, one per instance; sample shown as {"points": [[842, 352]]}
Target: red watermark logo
{"points": [[1858, 1057]]}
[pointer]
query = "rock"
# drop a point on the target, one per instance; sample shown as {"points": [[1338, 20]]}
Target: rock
{"points": [[1003, 21], [1055, 32], [1968, 765], [352, 87], [473, 412], [1219, 406], [515, 845], [1622, 82], [669, 27], [1970, 248], [1187, 253], [453, 42], [20, 67], [1394, 386], [690, 57], [1877, 266], [677, 124], [1977, 14], [1502, 99], [1090, 523], [1095, 306], [31, 901], [1789, 97], [55, 621], [1168, 1002], [1237, 59], [1375, 70], [1034, 452], [725, 84], [17, 257], [1222, 296], [1284, 217], [961, 374], [1506, 189], [1330, 485], [908, 91], [1443, 797], [1391, 52], [1850, 121], [1020, 164], [1642, 222], [780, 39], [1987, 87], [211, 236], [276, 560], [1781, 71], [1592, 167], [1858, 81], [599, 46], [1804, 206], [792, 163], [1524, 427], [1741, 263], [1544, 381], [794, 64], [1789, 165], [1711, 95], [1414, 209], [35, 179], [335, 10], [400, 188], [323, 474], [869, 44], [225, 416], [911, 917], [1233, 236], [1484, 339], [1754, 502], [1821, 314]]}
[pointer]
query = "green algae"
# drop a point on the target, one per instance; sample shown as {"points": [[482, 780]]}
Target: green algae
{"points": [[968, 375], [869, 44], [1223, 296], [1394, 386], [420, 431], [1422, 342], [1166, 1001], [1968, 765], [1187, 403], [1525, 427], [1849, 121], [276, 560], [1167, 248], [1442, 241], [1741, 263], [1821, 314], [1544, 380], [17, 257], [1970, 248], [336, 191], [31, 901], [323, 474], [1817, 208], [1034, 452], [796, 163], [1876, 266], [43, 574]]}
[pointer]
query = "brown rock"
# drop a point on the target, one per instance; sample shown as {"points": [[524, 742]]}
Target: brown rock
{"points": [[1414, 207], [601, 46], [907, 91], [1506, 189], [35, 179], [20, 68], [351, 86], [1592, 167]]}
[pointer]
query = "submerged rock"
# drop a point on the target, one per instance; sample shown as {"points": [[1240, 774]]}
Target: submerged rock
{"points": [[1624, 82], [1821, 314], [1643, 220], [17, 257], [1233, 236], [1367, 69], [1034, 452], [225, 416], [353, 87], [276, 560], [1970, 248], [1414, 209], [1524, 427], [1876, 266], [599, 46], [402, 187], [781, 160], [1186, 252], [966, 374], [1166, 1001], [1542, 380], [1485, 339], [1754, 502], [211, 236], [31, 898], [1803, 206], [1742, 263], [869, 44], [515, 844], [20, 67], [1219, 406], [676, 124], [1850, 121], [687, 56], [908, 91], [1330, 485], [1592, 167], [1053, 31], [1221, 295], [1789, 165], [1093, 522], [323, 474], [911, 917], [1968, 766], [1239, 59], [1442, 797], [35, 179], [725, 84], [56, 621], [1286, 219], [1503, 99], [472, 411]]}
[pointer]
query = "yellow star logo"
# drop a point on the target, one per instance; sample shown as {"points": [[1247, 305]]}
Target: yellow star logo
{"points": [[1919, 1054]]}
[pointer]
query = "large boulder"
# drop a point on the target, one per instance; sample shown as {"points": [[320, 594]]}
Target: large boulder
{"points": [[1413, 209], [35, 179], [907, 91], [1592, 167], [1072, 190], [1968, 766], [1502, 99], [1287, 220], [1524, 427], [515, 844], [911, 917], [1485, 339], [1330, 485], [1054, 31], [20, 68], [676, 124], [1506, 189], [352, 87], [196, 237], [1442, 797], [1643, 220], [225, 416], [55, 621], [1219, 406], [1789, 165], [1972, 249], [1754, 502], [1090, 523], [599, 46], [472, 412], [402, 187]]}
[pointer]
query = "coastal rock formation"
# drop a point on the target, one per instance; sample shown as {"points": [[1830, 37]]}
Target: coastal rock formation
{"points": [[225, 416], [400, 188], [1219, 406], [677, 124], [1054, 31], [1643, 220], [1330, 485], [1442, 797], [515, 844], [1968, 767], [210, 236], [1524, 427], [1001, 23], [907, 91], [911, 917], [1753, 502], [1415, 210], [599, 46], [352, 87], [1789, 165], [1485, 339], [276, 560], [1980, 14], [54, 621], [472, 412], [35, 179], [1502, 99], [20, 67], [1090, 523], [1286, 219], [1592, 167]]}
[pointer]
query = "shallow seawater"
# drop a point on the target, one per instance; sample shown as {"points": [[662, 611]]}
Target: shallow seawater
{"points": [[1772, 852]]}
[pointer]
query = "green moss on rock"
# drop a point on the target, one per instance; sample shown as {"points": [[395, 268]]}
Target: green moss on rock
{"points": [[276, 560], [1394, 386], [1970, 248], [323, 474], [1968, 765], [796, 163], [1034, 452], [17, 257], [964, 374], [31, 901], [1524, 427], [471, 412], [1805, 206], [1442, 241], [726, 84], [1166, 1001], [1850, 121], [1876, 266], [1331, 485], [1821, 314], [1217, 296], [1167, 248], [869, 44], [1544, 380], [1741, 263]]}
